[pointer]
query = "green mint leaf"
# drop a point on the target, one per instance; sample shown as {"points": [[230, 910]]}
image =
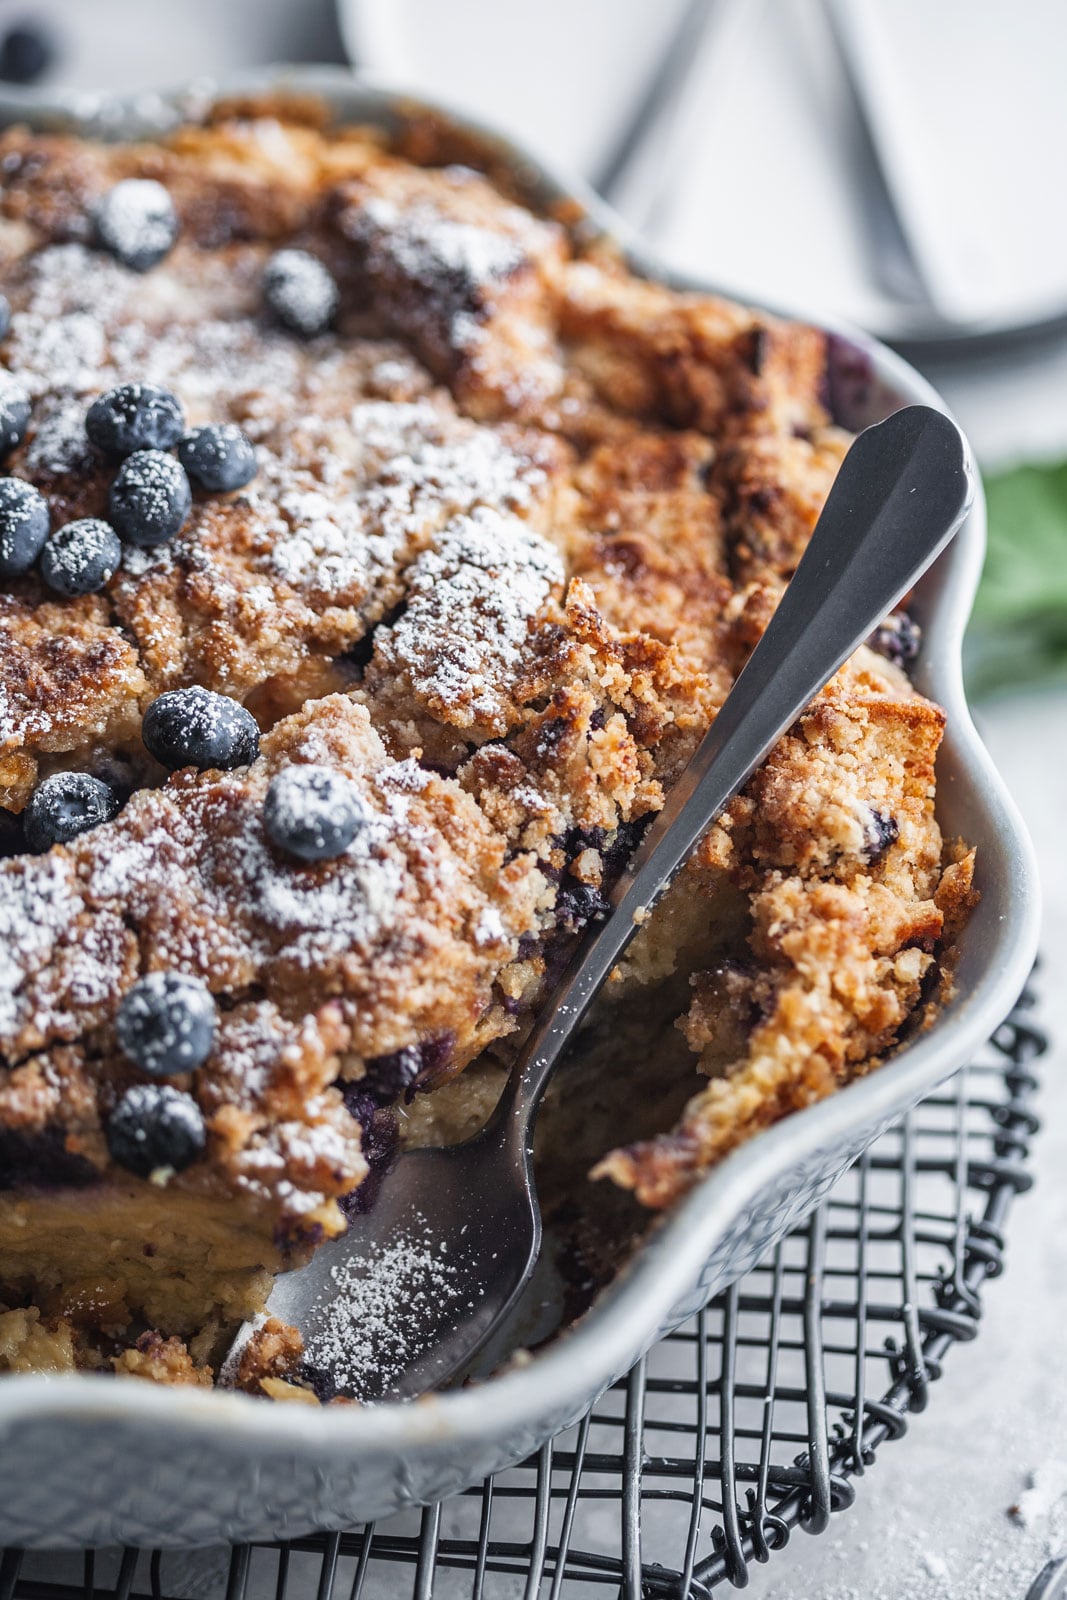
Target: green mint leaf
{"points": [[1019, 631]]}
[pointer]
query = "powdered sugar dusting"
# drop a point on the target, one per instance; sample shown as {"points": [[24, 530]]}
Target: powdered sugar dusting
{"points": [[187, 879], [407, 468], [369, 1326], [136, 221], [323, 918], [33, 913], [87, 323], [68, 350], [246, 899], [449, 263], [14, 399], [1042, 1507], [471, 600], [352, 486], [59, 443], [368, 479], [406, 776], [20, 720], [323, 543], [489, 929]]}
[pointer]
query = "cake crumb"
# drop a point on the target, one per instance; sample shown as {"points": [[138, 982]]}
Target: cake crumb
{"points": [[162, 1360]]}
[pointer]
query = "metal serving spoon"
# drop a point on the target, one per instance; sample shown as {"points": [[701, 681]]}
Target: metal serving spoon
{"points": [[407, 1297]]}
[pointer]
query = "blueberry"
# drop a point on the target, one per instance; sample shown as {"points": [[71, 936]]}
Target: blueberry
{"points": [[402, 1071], [135, 416], [64, 805], [198, 728], [5, 316], [380, 1139], [136, 223], [150, 498], [23, 526], [881, 831], [218, 457], [154, 1126], [312, 812], [166, 1024], [300, 291], [898, 638], [14, 413], [80, 557], [578, 903], [388, 1077]]}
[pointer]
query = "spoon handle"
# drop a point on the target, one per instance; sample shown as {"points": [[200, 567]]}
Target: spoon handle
{"points": [[901, 493]]}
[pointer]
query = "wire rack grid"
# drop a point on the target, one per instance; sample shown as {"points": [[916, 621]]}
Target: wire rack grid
{"points": [[755, 1419]]}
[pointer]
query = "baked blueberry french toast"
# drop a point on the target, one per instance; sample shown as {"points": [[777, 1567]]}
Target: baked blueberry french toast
{"points": [[374, 552]]}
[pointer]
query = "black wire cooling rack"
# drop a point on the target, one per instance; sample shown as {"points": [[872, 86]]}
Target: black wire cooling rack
{"points": [[754, 1419]]}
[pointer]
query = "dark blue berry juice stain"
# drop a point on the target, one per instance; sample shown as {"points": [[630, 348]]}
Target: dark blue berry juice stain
{"points": [[381, 1141], [882, 831], [579, 903], [43, 1160], [12, 838], [389, 1079], [898, 639]]}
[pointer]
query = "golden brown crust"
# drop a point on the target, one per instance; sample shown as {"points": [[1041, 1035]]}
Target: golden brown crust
{"points": [[837, 844], [397, 940], [773, 485], [70, 682], [466, 279]]}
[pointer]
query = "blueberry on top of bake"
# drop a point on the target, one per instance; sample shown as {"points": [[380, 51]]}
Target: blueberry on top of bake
{"points": [[155, 1129], [24, 524], [300, 291], [134, 416], [66, 805], [166, 1024], [81, 557], [136, 221], [14, 413], [218, 456], [312, 813], [198, 728], [149, 498]]}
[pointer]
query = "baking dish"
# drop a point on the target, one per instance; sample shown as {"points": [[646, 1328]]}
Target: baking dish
{"points": [[85, 1461]]}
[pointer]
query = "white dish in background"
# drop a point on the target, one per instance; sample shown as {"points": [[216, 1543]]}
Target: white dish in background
{"points": [[769, 187]]}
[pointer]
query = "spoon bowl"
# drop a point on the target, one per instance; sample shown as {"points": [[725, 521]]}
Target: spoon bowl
{"points": [[402, 1302]]}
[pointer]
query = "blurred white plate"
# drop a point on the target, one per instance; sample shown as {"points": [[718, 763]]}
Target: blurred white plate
{"points": [[770, 185], [124, 46]]}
